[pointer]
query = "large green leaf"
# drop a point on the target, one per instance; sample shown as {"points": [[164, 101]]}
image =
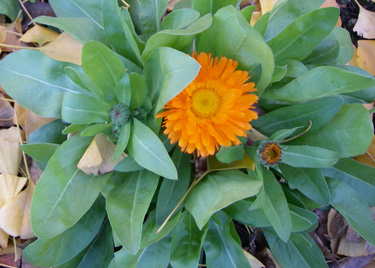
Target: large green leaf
{"points": [[240, 212], [84, 109], [320, 112], [309, 181], [300, 38], [40, 152], [82, 29], [221, 248], [64, 193], [349, 132], [150, 14], [346, 50], [308, 156], [327, 51], [124, 259], [119, 33], [149, 152], [57, 250], [179, 18], [34, 86], [168, 72], [299, 252], [240, 42], [187, 241], [156, 255], [285, 12], [181, 39], [219, 190], [274, 205], [355, 174], [104, 67], [320, 82], [353, 207], [211, 6], [127, 205], [10, 8], [171, 191], [302, 219], [48, 133]]}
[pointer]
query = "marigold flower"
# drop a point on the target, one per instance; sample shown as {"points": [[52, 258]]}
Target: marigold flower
{"points": [[269, 153], [213, 110]]}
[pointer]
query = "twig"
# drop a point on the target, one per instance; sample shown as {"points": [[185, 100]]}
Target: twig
{"points": [[21, 142], [27, 12], [11, 46], [299, 135], [8, 266]]}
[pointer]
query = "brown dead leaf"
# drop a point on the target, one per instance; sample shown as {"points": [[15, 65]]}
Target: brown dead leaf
{"points": [[40, 35], [15, 214], [6, 114], [365, 55], [365, 25], [4, 238], [97, 156], [64, 48], [10, 153], [12, 36], [368, 158]]}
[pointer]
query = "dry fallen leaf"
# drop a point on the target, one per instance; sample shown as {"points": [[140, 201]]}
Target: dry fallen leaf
{"points": [[254, 262], [267, 5], [10, 186], [365, 25], [40, 35], [365, 55], [15, 214], [368, 158], [4, 238], [64, 48], [10, 153], [6, 114], [13, 31], [97, 156]]}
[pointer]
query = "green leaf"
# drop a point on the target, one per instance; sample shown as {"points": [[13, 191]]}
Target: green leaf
{"points": [[127, 206], [300, 38], [10, 8], [320, 112], [219, 190], [221, 249], [274, 205], [320, 82], [122, 141], [349, 132], [179, 18], [150, 14], [180, 39], [228, 155], [171, 191], [247, 12], [285, 12], [308, 156], [302, 219], [299, 252], [261, 24], [119, 33], [240, 42], [32, 85], [100, 252], [240, 212], [103, 66], [82, 29], [127, 164], [41, 152], [187, 241], [57, 250], [79, 77], [346, 50], [79, 8], [48, 133], [211, 6], [353, 207], [149, 152], [282, 134], [309, 181], [327, 51], [95, 129], [156, 255], [279, 73], [84, 109], [123, 90], [64, 193], [295, 69], [124, 259], [355, 174], [168, 72], [73, 128], [138, 90]]}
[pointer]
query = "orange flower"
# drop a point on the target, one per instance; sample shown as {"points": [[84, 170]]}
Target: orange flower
{"points": [[213, 110]]}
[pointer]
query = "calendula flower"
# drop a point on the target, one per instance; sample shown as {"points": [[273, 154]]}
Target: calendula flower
{"points": [[269, 153], [213, 110]]}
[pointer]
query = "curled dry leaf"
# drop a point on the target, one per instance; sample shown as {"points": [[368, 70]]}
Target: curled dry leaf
{"points": [[6, 114], [365, 56], [15, 214], [97, 156], [64, 48], [12, 36], [10, 153], [40, 35], [365, 25]]}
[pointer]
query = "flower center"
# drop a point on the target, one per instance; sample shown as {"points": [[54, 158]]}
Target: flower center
{"points": [[270, 153], [204, 103]]}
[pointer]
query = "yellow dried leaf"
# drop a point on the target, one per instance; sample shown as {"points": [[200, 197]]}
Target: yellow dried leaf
{"points": [[352, 249], [365, 55], [254, 262], [15, 214], [40, 35], [10, 153], [3, 34], [97, 156], [365, 25], [10, 186], [255, 17], [267, 5], [4, 237], [64, 48]]}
